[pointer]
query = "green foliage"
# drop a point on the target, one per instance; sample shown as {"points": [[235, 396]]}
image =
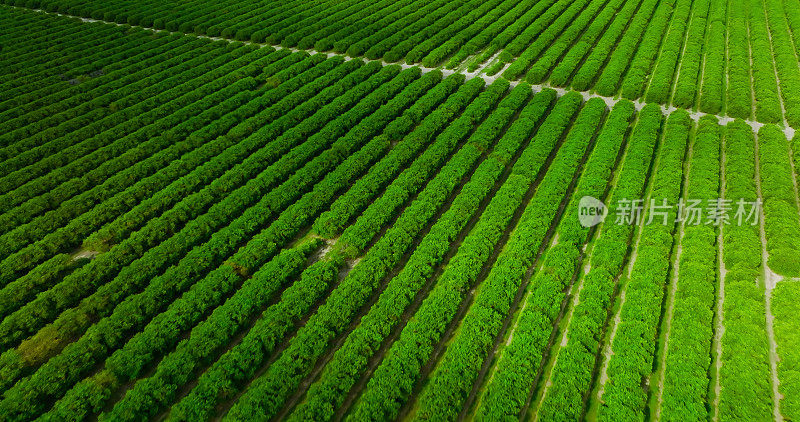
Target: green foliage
{"points": [[765, 87], [781, 224], [745, 389], [267, 392], [712, 92], [578, 38], [341, 372], [365, 190], [659, 86], [785, 307], [545, 32], [572, 372], [688, 356], [635, 340], [739, 93], [597, 43], [647, 37], [375, 92]]}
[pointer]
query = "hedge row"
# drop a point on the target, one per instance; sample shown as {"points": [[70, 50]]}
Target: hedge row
{"points": [[240, 363], [394, 379], [573, 43], [698, 38], [785, 57], [85, 113], [635, 341], [451, 382], [359, 235], [511, 384], [365, 190], [90, 396], [792, 10], [512, 32], [228, 375], [53, 104], [572, 373], [429, 52], [659, 87], [90, 49], [45, 213], [745, 388], [105, 138], [413, 48], [357, 43], [528, 53], [399, 35], [615, 49], [286, 226], [492, 37], [325, 36], [342, 35], [66, 236], [99, 274], [281, 112], [687, 362], [593, 45], [639, 65], [350, 361], [266, 395], [785, 307], [714, 83], [765, 86], [781, 222], [136, 310], [738, 100]]}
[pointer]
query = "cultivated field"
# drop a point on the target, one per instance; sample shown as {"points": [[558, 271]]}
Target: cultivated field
{"points": [[544, 210]]}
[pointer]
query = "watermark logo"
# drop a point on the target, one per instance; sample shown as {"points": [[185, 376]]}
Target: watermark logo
{"points": [[591, 211], [716, 212]]}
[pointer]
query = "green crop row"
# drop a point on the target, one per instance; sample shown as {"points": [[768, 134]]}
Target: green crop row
{"points": [[781, 222], [687, 362], [635, 341], [571, 378], [339, 375], [393, 380], [785, 308], [745, 389], [512, 382], [214, 385], [267, 393], [714, 83]]}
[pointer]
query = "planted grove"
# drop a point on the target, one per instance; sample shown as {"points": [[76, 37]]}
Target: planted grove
{"points": [[540, 210]]}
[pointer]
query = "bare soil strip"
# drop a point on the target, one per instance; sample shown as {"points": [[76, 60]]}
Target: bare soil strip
{"points": [[719, 312]]}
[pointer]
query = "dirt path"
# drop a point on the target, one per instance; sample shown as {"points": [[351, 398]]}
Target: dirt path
{"points": [[490, 61], [722, 273], [82, 253]]}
